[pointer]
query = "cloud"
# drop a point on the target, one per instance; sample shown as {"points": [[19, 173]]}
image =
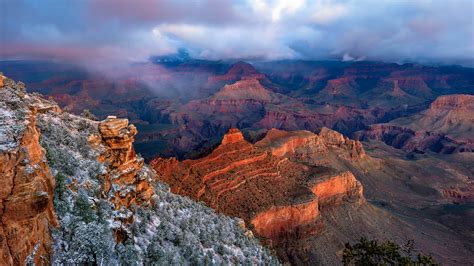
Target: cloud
{"points": [[105, 30]]}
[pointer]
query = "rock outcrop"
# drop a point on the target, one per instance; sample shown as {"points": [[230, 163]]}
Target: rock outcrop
{"points": [[239, 70], [454, 102], [123, 165], [239, 179], [310, 147], [26, 184], [126, 184]]}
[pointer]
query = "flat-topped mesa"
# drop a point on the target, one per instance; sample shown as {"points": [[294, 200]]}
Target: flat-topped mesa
{"points": [[299, 143], [124, 167], [232, 136], [453, 102]]}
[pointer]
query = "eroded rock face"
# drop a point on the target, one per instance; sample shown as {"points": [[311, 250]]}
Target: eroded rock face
{"points": [[454, 102], [278, 185], [414, 141], [123, 164], [26, 184], [307, 146], [278, 222], [334, 190]]}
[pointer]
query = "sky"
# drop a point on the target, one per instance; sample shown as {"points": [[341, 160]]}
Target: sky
{"points": [[436, 31]]}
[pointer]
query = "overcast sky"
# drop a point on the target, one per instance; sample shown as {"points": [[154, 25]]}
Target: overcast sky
{"points": [[438, 31]]}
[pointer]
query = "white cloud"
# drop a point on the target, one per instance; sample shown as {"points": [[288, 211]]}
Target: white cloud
{"points": [[325, 13], [415, 30]]}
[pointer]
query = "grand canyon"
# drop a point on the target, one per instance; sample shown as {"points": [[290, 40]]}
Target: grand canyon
{"points": [[236, 145]]}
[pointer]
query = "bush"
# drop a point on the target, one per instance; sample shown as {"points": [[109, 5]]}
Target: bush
{"points": [[86, 113], [370, 252]]}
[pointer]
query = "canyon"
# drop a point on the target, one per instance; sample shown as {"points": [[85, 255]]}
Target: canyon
{"points": [[182, 108], [308, 155]]}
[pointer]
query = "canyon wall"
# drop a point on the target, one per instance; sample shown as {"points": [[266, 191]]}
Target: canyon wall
{"points": [[26, 184]]}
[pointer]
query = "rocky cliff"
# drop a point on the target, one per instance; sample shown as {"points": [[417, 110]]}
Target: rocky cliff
{"points": [[26, 184], [458, 102]]}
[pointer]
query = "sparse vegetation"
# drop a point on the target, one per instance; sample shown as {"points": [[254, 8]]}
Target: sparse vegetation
{"points": [[371, 252], [86, 113]]}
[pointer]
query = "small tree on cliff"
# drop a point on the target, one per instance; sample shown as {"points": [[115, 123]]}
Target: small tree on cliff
{"points": [[370, 252], [88, 114]]}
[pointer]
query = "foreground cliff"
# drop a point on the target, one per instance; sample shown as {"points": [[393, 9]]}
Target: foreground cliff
{"points": [[26, 184], [75, 192]]}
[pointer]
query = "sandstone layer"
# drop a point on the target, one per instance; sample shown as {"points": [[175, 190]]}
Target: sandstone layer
{"points": [[450, 115]]}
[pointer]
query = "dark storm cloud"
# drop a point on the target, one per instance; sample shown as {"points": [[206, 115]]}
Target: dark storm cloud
{"points": [[106, 30]]}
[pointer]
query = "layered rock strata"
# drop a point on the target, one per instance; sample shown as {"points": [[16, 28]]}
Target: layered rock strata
{"points": [[132, 186], [269, 184], [126, 184]]}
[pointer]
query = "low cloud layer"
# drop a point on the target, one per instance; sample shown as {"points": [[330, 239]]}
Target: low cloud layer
{"points": [[110, 30]]}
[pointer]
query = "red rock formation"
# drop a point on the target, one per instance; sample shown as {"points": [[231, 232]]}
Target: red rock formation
{"points": [[26, 186], [340, 87], [459, 194], [233, 136], [239, 70], [303, 144], [123, 165], [454, 102], [247, 89], [239, 179], [409, 140], [276, 222], [336, 189]]}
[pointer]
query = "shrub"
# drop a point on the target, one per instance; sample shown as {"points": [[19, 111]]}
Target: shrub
{"points": [[370, 252]]}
